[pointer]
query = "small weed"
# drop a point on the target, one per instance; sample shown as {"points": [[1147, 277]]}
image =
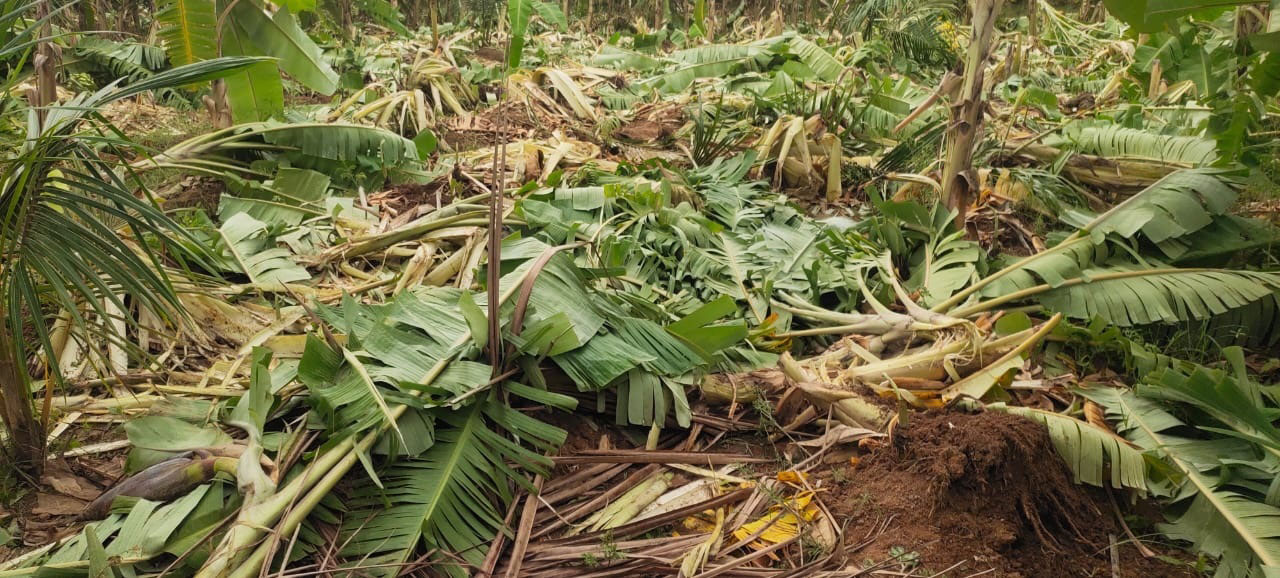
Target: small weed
{"points": [[9, 534], [904, 558], [11, 488], [863, 503], [774, 495], [812, 547], [713, 136], [767, 424], [609, 549], [589, 560]]}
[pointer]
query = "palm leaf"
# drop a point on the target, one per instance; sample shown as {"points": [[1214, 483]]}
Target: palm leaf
{"points": [[130, 60], [611, 56], [1229, 235], [1128, 295], [551, 14], [518, 14], [702, 62], [256, 93], [1231, 399], [1179, 204], [385, 13], [1082, 278], [270, 203], [943, 266], [189, 74], [141, 533], [821, 62], [19, 32], [337, 142], [74, 231]]}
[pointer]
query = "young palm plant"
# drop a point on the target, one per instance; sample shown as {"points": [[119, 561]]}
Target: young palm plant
{"points": [[76, 236]]}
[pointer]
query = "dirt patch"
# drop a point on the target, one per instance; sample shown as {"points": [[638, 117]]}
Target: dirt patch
{"points": [[643, 131], [49, 511], [1002, 230], [307, 98], [140, 115], [510, 120], [406, 196], [196, 193], [490, 54], [982, 491], [652, 123]]}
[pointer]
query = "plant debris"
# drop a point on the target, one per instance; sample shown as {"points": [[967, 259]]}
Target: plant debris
{"points": [[906, 290]]}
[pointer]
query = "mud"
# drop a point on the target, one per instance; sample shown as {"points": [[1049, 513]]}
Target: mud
{"points": [[982, 493]]}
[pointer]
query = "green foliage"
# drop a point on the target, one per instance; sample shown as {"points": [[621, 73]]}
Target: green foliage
{"points": [[246, 247], [256, 93], [67, 206], [188, 29], [1119, 141], [279, 36], [1221, 477], [1153, 15], [384, 13], [129, 60], [430, 494], [907, 32], [683, 264], [1084, 277], [519, 15]]}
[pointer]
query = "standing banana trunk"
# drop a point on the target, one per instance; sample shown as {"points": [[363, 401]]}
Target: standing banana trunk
{"points": [[958, 178], [435, 24], [217, 105]]}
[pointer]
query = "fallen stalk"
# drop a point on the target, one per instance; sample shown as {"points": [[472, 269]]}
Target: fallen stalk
{"points": [[302, 495]]}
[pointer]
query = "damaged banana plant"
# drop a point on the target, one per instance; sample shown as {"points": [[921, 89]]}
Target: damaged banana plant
{"points": [[399, 421]]}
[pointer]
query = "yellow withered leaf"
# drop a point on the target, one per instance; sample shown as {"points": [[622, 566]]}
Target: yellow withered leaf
{"points": [[781, 522], [792, 477]]}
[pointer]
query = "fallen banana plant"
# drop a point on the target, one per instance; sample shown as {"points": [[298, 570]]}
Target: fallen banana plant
{"points": [[789, 221]]}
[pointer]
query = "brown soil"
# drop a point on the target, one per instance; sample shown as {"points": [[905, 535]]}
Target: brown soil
{"points": [[1001, 231], [49, 510], [196, 193], [491, 54], [510, 121], [407, 196], [980, 491], [306, 98]]}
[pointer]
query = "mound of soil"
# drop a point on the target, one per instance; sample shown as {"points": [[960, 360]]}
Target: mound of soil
{"points": [[987, 492]]}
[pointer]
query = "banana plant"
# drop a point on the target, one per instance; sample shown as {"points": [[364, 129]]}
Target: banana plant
{"points": [[1221, 472], [195, 30], [519, 14], [1154, 15], [1093, 274]]}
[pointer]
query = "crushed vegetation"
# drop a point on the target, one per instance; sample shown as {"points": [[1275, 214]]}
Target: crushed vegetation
{"points": [[370, 288]]}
